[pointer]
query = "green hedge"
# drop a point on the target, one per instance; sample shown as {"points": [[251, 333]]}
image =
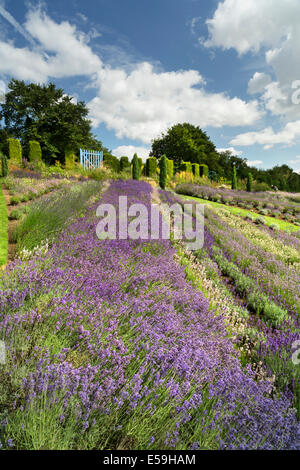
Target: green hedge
{"points": [[35, 151], [203, 169], [186, 166], [151, 167], [196, 170], [135, 167], [163, 172], [15, 151], [112, 162], [69, 159], [124, 163], [170, 168]]}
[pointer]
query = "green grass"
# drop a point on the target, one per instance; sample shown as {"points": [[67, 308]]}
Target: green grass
{"points": [[282, 224], [3, 229]]}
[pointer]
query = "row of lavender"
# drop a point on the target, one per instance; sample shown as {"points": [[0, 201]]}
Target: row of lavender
{"points": [[265, 203], [264, 281], [110, 347]]}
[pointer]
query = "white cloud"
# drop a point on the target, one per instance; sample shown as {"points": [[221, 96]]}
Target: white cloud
{"points": [[258, 83], [268, 138], [251, 24], [2, 91], [296, 161], [232, 150], [72, 54], [137, 103], [254, 162], [143, 103], [268, 26], [130, 150]]}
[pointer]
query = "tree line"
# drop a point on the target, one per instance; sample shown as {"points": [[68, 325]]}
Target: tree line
{"points": [[188, 143]]}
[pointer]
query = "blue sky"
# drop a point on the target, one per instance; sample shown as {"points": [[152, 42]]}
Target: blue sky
{"points": [[229, 66]]}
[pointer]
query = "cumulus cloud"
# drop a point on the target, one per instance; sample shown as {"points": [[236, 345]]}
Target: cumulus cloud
{"points": [[130, 150], [268, 138], [268, 26], [258, 83], [143, 103], [232, 150], [254, 162], [62, 52]]}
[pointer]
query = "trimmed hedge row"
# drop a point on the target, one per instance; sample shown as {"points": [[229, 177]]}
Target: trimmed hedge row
{"points": [[35, 151], [15, 151]]}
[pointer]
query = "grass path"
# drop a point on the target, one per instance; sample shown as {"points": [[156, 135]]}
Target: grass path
{"points": [[282, 224], [3, 229]]}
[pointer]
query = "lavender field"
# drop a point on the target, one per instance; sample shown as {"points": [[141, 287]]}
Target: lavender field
{"points": [[138, 344]]}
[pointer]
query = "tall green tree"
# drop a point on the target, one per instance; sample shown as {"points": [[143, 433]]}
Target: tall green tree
{"points": [[185, 142], [135, 167], [249, 182], [44, 113], [163, 172], [234, 179]]}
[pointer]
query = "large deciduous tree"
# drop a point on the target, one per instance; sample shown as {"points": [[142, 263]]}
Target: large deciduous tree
{"points": [[185, 142], [46, 114]]}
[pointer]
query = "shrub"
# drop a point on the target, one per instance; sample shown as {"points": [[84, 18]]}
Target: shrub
{"points": [[4, 166], [15, 215], [151, 167], [15, 151], [260, 221], [234, 179], [112, 162], [35, 151], [163, 172], [203, 170], [15, 200], [186, 167], [260, 187], [248, 217], [135, 167], [69, 159], [24, 198], [264, 211], [140, 160], [170, 168], [124, 163], [196, 170], [274, 227], [249, 182]]}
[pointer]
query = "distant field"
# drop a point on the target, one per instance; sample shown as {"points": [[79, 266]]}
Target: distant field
{"points": [[282, 224]]}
